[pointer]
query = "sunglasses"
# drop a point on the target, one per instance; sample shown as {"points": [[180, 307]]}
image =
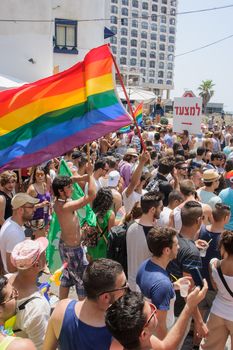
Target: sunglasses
{"points": [[153, 313], [124, 287], [14, 295], [222, 206]]}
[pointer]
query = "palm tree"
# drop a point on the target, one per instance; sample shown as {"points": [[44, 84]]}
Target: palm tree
{"points": [[206, 92]]}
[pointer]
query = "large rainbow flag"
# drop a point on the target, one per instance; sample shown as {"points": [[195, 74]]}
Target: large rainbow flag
{"points": [[138, 117], [47, 118]]}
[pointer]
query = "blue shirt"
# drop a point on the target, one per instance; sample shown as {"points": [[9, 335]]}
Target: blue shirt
{"points": [[77, 335], [155, 284], [226, 196]]}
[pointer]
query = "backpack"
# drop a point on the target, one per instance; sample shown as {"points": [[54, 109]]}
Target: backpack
{"points": [[117, 249]]}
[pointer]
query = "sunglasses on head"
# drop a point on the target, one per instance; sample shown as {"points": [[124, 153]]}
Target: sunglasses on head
{"points": [[153, 313]]}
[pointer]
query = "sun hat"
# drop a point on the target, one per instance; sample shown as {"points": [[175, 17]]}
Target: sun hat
{"points": [[27, 252], [113, 178], [22, 198], [131, 152], [210, 175]]}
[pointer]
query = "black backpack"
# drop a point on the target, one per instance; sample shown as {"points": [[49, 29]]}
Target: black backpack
{"points": [[117, 249]]}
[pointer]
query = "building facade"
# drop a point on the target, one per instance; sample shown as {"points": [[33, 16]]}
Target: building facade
{"points": [[144, 41]]}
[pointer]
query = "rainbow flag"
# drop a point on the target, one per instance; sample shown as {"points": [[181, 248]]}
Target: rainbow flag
{"points": [[137, 115], [47, 118]]}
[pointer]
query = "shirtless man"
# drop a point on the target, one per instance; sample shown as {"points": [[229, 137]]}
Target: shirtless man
{"points": [[69, 245]]}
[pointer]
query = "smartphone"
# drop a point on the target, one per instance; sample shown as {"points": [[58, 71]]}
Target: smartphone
{"points": [[197, 277]]}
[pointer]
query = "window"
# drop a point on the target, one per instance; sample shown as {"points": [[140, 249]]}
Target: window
{"points": [[114, 9], [170, 66], [163, 19], [160, 82], [161, 56], [153, 45], [169, 75], [144, 35], [171, 39], [125, 2], [145, 6], [153, 26], [143, 53], [162, 47], [164, 2], [170, 58], [173, 2], [124, 41], [153, 36], [65, 36], [151, 81], [172, 30], [124, 31], [144, 25], [124, 51], [113, 19], [134, 42], [152, 54], [135, 14], [162, 37], [114, 50], [154, 18], [143, 71], [113, 40], [163, 29], [151, 73], [154, 8], [145, 15], [172, 21], [133, 52], [123, 60], [161, 65], [124, 21], [171, 48], [134, 33], [113, 29], [160, 74], [134, 23], [133, 62], [152, 64], [143, 63], [143, 44], [135, 3], [169, 82], [114, 1], [173, 12], [124, 11], [163, 10]]}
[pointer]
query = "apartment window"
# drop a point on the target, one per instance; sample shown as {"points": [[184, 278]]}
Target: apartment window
{"points": [[134, 42], [169, 75], [154, 18], [143, 44], [145, 6], [144, 35], [172, 21], [143, 71], [114, 50], [153, 36], [124, 51], [152, 54], [134, 23], [169, 82], [144, 25], [134, 33], [113, 29], [154, 8], [153, 26], [143, 63], [171, 48], [113, 40], [161, 65], [133, 62], [125, 2], [162, 47], [145, 15], [151, 81], [163, 19], [124, 21], [163, 29], [160, 82], [160, 74], [163, 9], [133, 52], [173, 12], [114, 9], [172, 30], [114, 1], [123, 60], [143, 53], [151, 73], [173, 2], [162, 37], [152, 64], [171, 39], [124, 41], [135, 3], [65, 36], [113, 19], [153, 45], [170, 66], [164, 2], [135, 14], [124, 31], [161, 56], [170, 58], [124, 11], [154, 0]]}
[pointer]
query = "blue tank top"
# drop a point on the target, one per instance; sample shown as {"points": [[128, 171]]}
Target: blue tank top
{"points": [[77, 335]]}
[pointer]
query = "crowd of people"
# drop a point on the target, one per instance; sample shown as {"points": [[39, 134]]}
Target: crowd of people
{"points": [[154, 269]]}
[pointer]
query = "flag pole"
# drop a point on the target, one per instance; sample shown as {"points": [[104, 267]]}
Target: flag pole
{"points": [[128, 103]]}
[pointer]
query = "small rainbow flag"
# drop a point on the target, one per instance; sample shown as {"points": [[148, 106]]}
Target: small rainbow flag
{"points": [[138, 117], [44, 119]]}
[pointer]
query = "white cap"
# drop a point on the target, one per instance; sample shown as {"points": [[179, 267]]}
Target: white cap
{"points": [[113, 178]]}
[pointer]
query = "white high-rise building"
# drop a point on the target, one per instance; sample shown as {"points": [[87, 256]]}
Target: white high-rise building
{"points": [[144, 44]]}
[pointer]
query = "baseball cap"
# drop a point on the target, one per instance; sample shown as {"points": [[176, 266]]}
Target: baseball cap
{"points": [[113, 178], [27, 252], [22, 198]]}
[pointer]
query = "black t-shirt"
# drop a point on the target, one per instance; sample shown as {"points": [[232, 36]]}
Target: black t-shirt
{"points": [[8, 208], [164, 187]]}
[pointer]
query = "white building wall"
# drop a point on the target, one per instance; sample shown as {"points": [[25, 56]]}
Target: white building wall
{"points": [[21, 40]]}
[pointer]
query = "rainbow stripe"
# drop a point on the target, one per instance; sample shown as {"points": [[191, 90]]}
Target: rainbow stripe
{"points": [[137, 116], [44, 119]]}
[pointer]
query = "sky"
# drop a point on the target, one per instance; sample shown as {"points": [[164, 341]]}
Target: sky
{"points": [[215, 62]]}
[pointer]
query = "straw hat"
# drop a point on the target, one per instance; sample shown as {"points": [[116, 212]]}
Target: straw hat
{"points": [[210, 175]]}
